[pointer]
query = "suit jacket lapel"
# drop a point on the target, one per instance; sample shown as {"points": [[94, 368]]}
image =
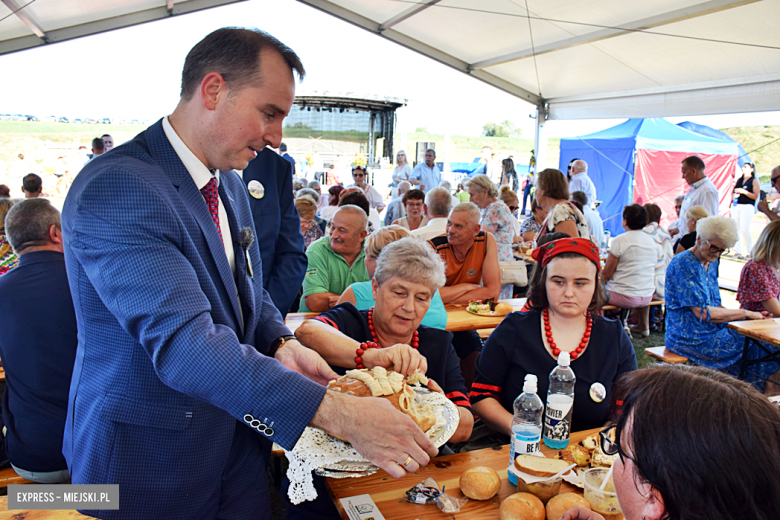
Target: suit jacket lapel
{"points": [[162, 150], [245, 289]]}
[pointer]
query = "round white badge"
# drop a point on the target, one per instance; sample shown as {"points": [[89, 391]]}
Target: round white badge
{"points": [[256, 189], [597, 392]]}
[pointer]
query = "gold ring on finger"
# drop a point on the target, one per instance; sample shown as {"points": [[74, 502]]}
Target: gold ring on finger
{"points": [[407, 461]]}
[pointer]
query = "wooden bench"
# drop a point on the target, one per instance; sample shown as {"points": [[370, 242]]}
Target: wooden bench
{"points": [[667, 356], [8, 476]]}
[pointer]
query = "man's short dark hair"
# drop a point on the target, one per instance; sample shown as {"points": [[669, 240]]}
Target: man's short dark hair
{"points": [[282, 147], [27, 224], [235, 54], [694, 162], [579, 196], [355, 198], [635, 216], [105, 135], [5, 191], [32, 183], [653, 212], [432, 151], [98, 144]]}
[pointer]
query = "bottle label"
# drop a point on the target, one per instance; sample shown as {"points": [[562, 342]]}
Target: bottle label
{"points": [[557, 419], [524, 445]]}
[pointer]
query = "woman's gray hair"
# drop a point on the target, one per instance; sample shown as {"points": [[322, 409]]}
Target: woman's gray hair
{"points": [[310, 192], [482, 181], [412, 260], [723, 228]]}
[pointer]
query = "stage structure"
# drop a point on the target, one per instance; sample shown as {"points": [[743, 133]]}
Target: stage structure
{"points": [[344, 124]]}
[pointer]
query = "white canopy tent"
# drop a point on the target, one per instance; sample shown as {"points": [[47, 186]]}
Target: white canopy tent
{"points": [[570, 58], [595, 59], [25, 24]]}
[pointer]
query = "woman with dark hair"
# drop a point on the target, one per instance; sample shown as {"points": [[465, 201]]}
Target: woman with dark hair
{"points": [[334, 192], [693, 444], [552, 194], [746, 191], [413, 201], [531, 226], [356, 197], [629, 273], [565, 295]]}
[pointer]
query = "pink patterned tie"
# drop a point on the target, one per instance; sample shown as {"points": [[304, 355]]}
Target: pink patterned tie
{"points": [[211, 195]]}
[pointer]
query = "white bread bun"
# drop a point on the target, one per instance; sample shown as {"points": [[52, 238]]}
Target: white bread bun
{"points": [[540, 466], [480, 483], [521, 506], [562, 503], [502, 309]]}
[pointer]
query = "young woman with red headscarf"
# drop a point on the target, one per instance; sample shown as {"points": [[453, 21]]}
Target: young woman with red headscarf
{"points": [[566, 295]]}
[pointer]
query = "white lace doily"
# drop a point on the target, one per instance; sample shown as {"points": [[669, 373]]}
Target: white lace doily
{"points": [[316, 449]]}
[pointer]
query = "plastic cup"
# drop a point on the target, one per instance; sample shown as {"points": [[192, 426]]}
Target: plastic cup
{"points": [[604, 502], [544, 490]]}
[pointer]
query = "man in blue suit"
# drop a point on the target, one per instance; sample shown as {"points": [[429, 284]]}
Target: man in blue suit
{"points": [[269, 179], [170, 398]]}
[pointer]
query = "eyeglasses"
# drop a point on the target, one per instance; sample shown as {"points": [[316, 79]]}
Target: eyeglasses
{"points": [[513, 208], [714, 250], [774, 179], [608, 446], [358, 174]]}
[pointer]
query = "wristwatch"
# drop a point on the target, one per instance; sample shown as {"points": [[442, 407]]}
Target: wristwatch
{"points": [[277, 344]]}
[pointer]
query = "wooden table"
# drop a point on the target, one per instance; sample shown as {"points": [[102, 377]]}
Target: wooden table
{"points": [[458, 318], [388, 493], [767, 331], [35, 514]]}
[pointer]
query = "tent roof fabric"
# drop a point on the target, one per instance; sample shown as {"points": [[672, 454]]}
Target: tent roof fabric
{"points": [[595, 59], [50, 21], [652, 134], [717, 134]]}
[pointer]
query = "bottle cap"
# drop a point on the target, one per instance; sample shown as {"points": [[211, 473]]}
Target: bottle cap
{"points": [[564, 359], [530, 385]]}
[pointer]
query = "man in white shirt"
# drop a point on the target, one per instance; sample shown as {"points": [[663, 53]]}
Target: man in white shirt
{"points": [[437, 208], [489, 168], [447, 186], [427, 175], [580, 180], [359, 176], [595, 223], [702, 193]]}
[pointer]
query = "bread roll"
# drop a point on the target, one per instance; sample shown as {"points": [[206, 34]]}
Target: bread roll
{"points": [[502, 309], [562, 503], [480, 483], [540, 466], [521, 506]]}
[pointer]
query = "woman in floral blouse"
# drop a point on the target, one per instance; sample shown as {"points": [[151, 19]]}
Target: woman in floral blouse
{"points": [[496, 218], [758, 284]]}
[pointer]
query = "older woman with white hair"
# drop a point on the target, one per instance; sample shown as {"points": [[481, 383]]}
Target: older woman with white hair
{"points": [[361, 294], [696, 322], [496, 218], [390, 335]]}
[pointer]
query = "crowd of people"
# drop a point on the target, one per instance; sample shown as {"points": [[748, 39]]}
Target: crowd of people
{"points": [[144, 342]]}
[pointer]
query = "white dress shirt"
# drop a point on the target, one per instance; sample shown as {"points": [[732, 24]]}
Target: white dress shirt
{"points": [[434, 228], [202, 175], [702, 193], [581, 182]]}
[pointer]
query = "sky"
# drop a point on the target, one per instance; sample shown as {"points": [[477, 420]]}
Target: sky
{"points": [[134, 73]]}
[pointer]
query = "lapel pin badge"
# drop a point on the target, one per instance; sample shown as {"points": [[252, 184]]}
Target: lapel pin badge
{"points": [[256, 189]]}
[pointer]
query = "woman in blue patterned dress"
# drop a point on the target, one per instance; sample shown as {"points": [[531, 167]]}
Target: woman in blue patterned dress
{"points": [[696, 322], [496, 219]]}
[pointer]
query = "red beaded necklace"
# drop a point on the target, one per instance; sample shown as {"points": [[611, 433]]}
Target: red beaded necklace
{"points": [[375, 343], [548, 332]]}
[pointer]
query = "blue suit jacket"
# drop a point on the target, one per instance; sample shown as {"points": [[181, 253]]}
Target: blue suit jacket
{"points": [[278, 228], [163, 367]]}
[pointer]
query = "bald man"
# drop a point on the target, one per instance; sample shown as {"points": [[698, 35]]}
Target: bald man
{"points": [[581, 182], [335, 261]]}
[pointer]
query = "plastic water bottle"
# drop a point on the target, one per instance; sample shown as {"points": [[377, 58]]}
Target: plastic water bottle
{"points": [[560, 404], [605, 244], [526, 424]]}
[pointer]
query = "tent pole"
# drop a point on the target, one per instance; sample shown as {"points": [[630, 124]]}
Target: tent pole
{"points": [[540, 140]]}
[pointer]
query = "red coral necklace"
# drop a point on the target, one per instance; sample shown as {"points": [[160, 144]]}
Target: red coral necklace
{"points": [[548, 332], [375, 343]]}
